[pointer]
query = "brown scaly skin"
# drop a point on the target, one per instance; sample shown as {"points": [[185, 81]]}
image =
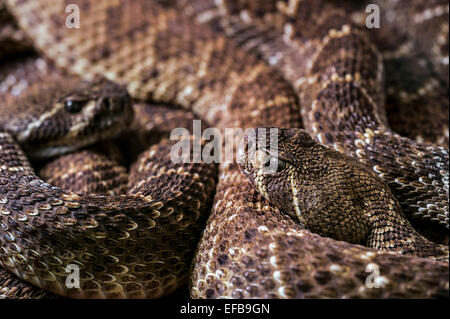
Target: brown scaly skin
{"points": [[271, 256], [338, 74], [94, 171], [86, 172], [331, 194], [23, 75], [127, 222], [248, 247], [151, 124], [231, 73], [18, 77], [407, 94], [425, 24]]}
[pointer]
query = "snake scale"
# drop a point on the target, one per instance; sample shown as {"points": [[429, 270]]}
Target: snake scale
{"points": [[286, 64]]}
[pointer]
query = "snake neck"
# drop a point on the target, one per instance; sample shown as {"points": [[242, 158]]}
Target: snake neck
{"points": [[392, 231]]}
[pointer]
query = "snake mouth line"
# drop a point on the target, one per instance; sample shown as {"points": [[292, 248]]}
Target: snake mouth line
{"points": [[60, 147]]}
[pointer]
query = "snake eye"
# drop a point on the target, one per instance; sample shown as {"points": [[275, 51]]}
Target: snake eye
{"points": [[275, 163], [73, 106]]}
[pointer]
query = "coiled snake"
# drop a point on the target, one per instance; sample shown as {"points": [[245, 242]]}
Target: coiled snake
{"points": [[327, 74]]}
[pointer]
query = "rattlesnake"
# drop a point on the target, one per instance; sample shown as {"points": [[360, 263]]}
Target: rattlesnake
{"points": [[122, 240], [249, 248]]}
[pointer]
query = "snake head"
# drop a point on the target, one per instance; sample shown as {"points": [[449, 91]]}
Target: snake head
{"points": [[67, 115], [275, 160]]}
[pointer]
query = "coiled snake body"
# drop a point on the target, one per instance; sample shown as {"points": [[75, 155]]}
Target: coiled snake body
{"points": [[249, 248]]}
